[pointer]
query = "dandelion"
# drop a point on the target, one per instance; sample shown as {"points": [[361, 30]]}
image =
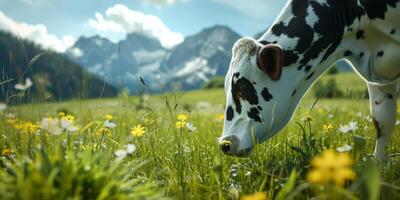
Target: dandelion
{"points": [[28, 127], [180, 124], [219, 117], [108, 117], [138, 131], [327, 127], [191, 127], [397, 122], [6, 152], [182, 117], [28, 83], [344, 148], [331, 167], [61, 114], [255, 196]]}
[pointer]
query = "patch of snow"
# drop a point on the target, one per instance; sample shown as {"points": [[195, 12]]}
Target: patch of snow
{"points": [[76, 52], [198, 64], [98, 42]]}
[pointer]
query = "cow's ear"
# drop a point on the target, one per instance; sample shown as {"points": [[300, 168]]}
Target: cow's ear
{"points": [[270, 60]]}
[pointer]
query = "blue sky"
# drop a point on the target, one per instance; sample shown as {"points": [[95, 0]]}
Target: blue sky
{"points": [[66, 20]]}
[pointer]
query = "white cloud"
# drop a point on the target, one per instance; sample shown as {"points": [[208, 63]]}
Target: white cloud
{"points": [[36, 33], [120, 19], [162, 2], [260, 9]]}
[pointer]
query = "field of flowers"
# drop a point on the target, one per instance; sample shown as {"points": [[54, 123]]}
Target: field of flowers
{"points": [[165, 147]]}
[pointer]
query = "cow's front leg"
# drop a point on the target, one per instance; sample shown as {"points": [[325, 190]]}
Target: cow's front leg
{"points": [[383, 110]]}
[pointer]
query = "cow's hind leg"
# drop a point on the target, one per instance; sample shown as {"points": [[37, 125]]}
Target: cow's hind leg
{"points": [[383, 110]]}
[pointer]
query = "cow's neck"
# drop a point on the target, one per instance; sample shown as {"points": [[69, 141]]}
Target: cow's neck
{"points": [[314, 36]]}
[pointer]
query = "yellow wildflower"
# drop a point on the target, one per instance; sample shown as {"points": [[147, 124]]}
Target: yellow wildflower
{"points": [[180, 124], [6, 152], [328, 127], [70, 118], [108, 117], [61, 114], [138, 131], [219, 117], [182, 117], [29, 127], [103, 131], [331, 167], [255, 196]]}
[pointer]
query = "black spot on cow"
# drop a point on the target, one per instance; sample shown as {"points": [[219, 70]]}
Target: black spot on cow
{"points": [[308, 67], [380, 54], [377, 9], [254, 82], [243, 90], [309, 76], [393, 31], [266, 95], [290, 57], [361, 54], [259, 108], [360, 34], [294, 92], [347, 53], [229, 113], [236, 75], [275, 42], [264, 42], [254, 114], [389, 96]]}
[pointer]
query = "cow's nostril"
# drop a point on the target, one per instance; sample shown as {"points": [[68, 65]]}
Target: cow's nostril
{"points": [[225, 147]]}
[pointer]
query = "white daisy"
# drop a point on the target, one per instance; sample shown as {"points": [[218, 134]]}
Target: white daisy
{"points": [[51, 125], [28, 83], [109, 124], [121, 154], [344, 148], [191, 127], [130, 148]]}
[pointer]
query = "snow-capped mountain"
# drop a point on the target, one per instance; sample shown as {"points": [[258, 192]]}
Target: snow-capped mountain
{"points": [[186, 66], [199, 57]]}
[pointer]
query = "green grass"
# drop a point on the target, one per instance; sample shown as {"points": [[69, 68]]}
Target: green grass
{"points": [[179, 164]]}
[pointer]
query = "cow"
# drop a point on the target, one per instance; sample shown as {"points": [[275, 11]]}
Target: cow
{"points": [[268, 77]]}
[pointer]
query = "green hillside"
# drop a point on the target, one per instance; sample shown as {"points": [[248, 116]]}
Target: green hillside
{"points": [[54, 77]]}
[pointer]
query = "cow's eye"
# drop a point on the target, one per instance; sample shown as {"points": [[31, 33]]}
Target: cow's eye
{"points": [[239, 96]]}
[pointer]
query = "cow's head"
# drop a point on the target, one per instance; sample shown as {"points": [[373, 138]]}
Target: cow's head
{"points": [[258, 96]]}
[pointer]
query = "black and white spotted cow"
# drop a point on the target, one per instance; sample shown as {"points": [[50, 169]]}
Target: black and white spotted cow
{"points": [[267, 78]]}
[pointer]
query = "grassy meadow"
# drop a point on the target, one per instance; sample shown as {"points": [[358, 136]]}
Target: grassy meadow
{"points": [[131, 147]]}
